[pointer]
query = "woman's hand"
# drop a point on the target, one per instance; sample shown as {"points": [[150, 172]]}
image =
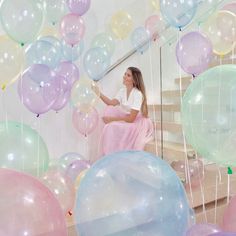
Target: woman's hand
{"points": [[107, 119]]}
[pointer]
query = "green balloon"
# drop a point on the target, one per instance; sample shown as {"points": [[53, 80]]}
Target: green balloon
{"points": [[22, 149], [208, 115]]}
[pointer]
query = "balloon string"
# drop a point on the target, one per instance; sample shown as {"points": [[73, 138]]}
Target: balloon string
{"points": [[216, 198], [228, 188]]}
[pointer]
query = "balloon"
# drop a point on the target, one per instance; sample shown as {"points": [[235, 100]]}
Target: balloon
{"points": [[229, 217], [72, 53], [155, 4], [21, 19], [208, 111], [79, 178], [49, 30], [131, 193], [11, 61], [22, 148], [192, 219], [54, 41], [82, 95], [28, 207], [62, 188], [38, 88], [68, 70], [85, 122], [72, 28], [194, 53], [138, 37], [79, 7], [221, 30], [203, 230], [178, 13], [96, 62], [230, 7], [42, 52], [121, 24], [104, 41]]}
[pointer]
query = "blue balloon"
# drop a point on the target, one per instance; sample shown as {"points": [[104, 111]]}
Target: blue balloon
{"points": [[55, 42], [72, 53], [178, 13], [138, 38], [131, 193]]}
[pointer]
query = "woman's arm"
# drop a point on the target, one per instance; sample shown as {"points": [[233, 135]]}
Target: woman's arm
{"points": [[108, 101]]}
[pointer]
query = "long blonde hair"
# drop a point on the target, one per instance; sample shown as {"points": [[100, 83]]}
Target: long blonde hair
{"points": [[139, 84]]}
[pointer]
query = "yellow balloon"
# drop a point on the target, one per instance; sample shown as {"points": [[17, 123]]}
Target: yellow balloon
{"points": [[79, 178], [156, 4], [221, 29], [11, 61], [121, 24]]}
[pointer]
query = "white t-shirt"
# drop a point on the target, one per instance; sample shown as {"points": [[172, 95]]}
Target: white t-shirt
{"points": [[134, 101]]}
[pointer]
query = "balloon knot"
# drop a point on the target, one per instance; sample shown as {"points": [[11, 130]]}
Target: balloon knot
{"points": [[37, 115], [70, 213], [22, 44], [230, 171]]}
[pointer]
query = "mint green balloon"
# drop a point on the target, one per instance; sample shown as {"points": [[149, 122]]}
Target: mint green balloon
{"points": [[209, 115], [21, 19], [22, 149]]}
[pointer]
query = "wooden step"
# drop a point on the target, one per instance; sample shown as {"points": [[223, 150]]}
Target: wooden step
{"points": [[172, 93], [185, 81], [168, 126], [165, 107]]}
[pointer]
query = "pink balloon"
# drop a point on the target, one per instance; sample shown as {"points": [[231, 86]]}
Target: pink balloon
{"points": [[85, 122], [194, 53], [28, 207], [151, 25], [229, 217], [202, 230], [79, 7], [230, 7], [72, 28]]}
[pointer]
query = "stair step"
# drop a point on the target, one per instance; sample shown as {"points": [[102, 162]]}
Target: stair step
{"points": [[168, 126], [172, 93], [165, 107], [184, 80]]}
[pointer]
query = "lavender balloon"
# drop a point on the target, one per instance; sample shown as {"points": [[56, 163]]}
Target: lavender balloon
{"points": [[79, 7], [203, 230], [194, 53]]}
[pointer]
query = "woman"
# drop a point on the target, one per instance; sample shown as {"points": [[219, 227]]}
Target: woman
{"points": [[127, 126]]}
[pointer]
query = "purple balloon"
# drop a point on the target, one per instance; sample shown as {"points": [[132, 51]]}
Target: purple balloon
{"points": [[79, 7], [203, 230], [223, 234], [194, 53], [38, 88]]}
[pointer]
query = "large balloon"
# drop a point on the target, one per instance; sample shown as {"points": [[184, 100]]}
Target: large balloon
{"points": [[208, 111], [131, 193], [230, 7], [28, 207], [11, 61], [21, 19], [79, 7], [203, 230], [54, 41], [22, 148], [72, 53], [194, 53], [178, 13]]}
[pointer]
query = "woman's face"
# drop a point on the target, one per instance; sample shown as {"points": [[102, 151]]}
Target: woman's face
{"points": [[128, 78]]}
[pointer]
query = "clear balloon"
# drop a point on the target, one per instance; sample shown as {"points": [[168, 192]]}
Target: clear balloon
{"points": [[54, 41], [22, 148], [231, 7], [49, 30], [38, 88], [11, 61], [79, 7], [207, 113], [121, 24], [152, 26], [85, 122], [194, 53], [21, 19], [178, 13], [96, 62], [62, 188], [203, 230], [72, 28], [79, 179], [72, 53], [156, 4], [28, 207], [123, 197]]}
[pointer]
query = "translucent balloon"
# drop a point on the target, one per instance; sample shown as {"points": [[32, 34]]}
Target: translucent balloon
{"points": [[22, 148], [79, 178], [138, 37], [72, 53], [72, 28], [230, 7], [62, 188], [104, 41], [208, 111], [85, 122], [96, 62], [54, 41], [131, 193], [178, 13], [194, 53], [79, 7], [49, 30], [38, 88], [152, 26], [28, 207], [11, 61], [203, 230], [221, 30], [121, 24], [156, 4], [82, 95], [21, 19]]}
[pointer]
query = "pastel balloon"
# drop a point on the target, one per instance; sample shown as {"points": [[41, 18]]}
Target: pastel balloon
{"points": [[85, 122], [11, 61], [79, 7], [230, 7], [72, 28], [203, 230], [155, 4], [22, 148], [152, 26], [28, 207], [49, 30], [178, 13], [72, 53], [21, 19], [121, 24], [54, 41], [140, 39], [194, 53]]}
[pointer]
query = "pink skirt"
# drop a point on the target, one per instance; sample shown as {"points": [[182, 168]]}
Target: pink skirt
{"points": [[122, 136]]}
